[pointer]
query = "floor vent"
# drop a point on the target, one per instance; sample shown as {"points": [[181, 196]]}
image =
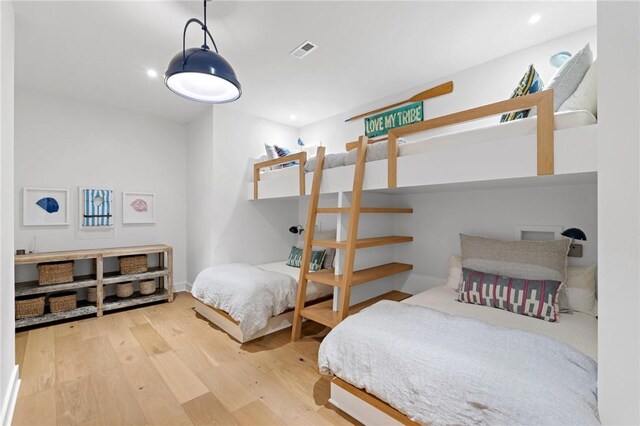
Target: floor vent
{"points": [[303, 50]]}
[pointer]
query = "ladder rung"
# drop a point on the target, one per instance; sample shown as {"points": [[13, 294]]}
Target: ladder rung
{"points": [[364, 242], [359, 277], [364, 210]]}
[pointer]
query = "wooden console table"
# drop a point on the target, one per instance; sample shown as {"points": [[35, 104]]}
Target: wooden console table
{"points": [[163, 272]]}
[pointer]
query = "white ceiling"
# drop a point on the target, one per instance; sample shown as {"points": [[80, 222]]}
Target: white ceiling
{"points": [[100, 51]]}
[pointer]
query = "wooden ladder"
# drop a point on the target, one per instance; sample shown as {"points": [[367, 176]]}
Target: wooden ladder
{"points": [[323, 312]]}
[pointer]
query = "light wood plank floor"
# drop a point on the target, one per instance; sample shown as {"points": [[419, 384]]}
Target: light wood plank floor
{"points": [[166, 365]]}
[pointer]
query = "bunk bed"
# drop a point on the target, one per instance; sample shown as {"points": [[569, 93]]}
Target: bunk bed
{"points": [[548, 144]]}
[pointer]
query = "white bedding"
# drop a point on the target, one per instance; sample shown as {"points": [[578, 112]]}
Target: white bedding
{"points": [[252, 294], [578, 329], [450, 137], [443, 369]]}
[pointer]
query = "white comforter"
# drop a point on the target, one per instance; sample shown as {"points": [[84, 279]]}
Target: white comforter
{"points": [[442, 369], [249, 294]]}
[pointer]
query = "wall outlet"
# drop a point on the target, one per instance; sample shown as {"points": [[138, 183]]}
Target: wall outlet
{"points": [[575, 250]]}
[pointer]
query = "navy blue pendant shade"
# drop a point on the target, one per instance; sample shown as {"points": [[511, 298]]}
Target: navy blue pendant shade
{"points": [[202, 75], [574, 234]]}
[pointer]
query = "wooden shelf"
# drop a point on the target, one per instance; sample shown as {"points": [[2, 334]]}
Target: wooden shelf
{"points": [[364, 210], [324, 314], [364, 242], [82, 310], [115, 302], [32, 287], [359, 277], [58, 256]]}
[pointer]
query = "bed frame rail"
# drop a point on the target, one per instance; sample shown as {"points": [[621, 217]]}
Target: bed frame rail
{"points": [[544, 132], [301, 157]]}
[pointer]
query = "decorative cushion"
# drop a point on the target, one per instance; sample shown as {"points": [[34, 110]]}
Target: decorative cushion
{"points": [[530, 83], [315, 264], [329, 253], [568, 77], [580, 290], [330, 161], [455, 273], [533, 298], [283, 152], [531, 260], [586, 95], [272, 154], [375, 151]]}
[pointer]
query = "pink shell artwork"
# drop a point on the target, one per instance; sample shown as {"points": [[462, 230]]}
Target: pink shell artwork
{"points": [[139, 205]]}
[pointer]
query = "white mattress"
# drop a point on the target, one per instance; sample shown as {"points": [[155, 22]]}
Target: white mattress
{"points": [[578, 330], [314, 290], [450, 137]]}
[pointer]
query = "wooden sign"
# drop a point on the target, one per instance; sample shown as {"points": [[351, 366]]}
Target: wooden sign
{"points": [[380, 124]]}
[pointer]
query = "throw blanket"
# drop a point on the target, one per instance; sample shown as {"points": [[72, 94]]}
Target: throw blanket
{"points": [[442, 369], [249, 294]]}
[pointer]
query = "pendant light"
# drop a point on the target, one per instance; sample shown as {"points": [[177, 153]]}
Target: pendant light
{"points": [[200, 74]]}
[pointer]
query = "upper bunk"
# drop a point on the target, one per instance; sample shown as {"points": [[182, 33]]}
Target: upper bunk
{"points": [[561, 145]]}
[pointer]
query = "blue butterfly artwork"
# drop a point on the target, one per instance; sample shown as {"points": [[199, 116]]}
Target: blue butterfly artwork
{"points": [[300, 142], [48, 204]]}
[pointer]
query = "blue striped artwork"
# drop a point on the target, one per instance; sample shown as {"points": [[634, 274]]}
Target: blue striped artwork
{"points": [[97, 207]]}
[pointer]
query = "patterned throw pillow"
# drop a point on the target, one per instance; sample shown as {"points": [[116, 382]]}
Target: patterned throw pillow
{"points": [[272, 154], [283, 152], [295, 258], [533, 298], [530, 83]]}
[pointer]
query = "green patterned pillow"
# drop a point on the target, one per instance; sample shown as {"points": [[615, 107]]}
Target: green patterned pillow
{"points": [[317, 258]]}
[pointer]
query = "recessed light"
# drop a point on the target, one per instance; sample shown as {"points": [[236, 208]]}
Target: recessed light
{"points": [[293, 117], [152, 73], [534, 19]]}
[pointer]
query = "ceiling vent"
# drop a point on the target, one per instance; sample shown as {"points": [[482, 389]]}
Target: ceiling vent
{"points": [[303, 50]]}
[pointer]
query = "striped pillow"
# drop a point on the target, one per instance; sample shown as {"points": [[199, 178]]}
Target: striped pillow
{"points": [[530, 83], [533, 298], [315, 264], [283, 152]]}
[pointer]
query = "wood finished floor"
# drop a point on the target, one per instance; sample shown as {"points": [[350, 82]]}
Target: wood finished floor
{"points": [[166, 365]]}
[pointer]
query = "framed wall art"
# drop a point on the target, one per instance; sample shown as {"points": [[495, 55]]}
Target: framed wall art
{"points": [[45, 207], [138, 208]]}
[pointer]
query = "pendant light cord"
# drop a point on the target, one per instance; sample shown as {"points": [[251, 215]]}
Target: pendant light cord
{"points": [[206, 33]]}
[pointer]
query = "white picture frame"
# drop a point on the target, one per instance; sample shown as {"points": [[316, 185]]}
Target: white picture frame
{"points": [[34, 214], [138, 208], [81, 210]]}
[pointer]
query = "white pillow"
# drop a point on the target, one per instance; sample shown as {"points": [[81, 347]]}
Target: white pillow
{"points": [[586, 95], [272, 154], [455, 272], [568, 77], [581, 289]]}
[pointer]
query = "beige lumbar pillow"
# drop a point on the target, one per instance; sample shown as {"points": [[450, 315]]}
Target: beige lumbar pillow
{"points": [[580, 289]]}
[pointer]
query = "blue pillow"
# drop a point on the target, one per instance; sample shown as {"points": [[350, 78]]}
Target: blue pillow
{"points": [[530, 83], [283, 152]]}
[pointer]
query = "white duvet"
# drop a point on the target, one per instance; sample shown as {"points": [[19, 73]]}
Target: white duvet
{"points": [[249, 294], [442, 369]]}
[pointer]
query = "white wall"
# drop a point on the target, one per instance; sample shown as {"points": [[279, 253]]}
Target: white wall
{"points": [[619, 212], [489, 82], [439, 217], [64, 143], [223, 226], [8, 369]]}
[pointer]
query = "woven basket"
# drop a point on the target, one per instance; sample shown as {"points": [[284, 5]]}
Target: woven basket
{"points": [[133, 264], [124, 289], [55, 273], [28, 307], [63, 301], [92, 295], [147, 287]]}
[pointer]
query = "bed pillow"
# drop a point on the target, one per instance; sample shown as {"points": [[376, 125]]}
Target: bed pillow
{"points": [[533, 298], [531, 260], [580, 289], [455, 273], [586, 95], [315, 264], [375, 151], [329, 253], [530, 83], [283, 152], [568, 77], [272, 154], [330, 161]]}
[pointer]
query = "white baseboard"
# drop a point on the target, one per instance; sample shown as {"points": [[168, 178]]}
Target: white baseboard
{"points": [[11, 395], [188, 287], [178, 287]]}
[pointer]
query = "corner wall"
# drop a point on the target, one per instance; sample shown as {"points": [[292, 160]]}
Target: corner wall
{"points": [[8, 369], [223, 226]]}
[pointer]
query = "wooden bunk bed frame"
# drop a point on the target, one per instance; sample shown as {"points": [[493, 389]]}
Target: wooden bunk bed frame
{"points": [[542, 101]]}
